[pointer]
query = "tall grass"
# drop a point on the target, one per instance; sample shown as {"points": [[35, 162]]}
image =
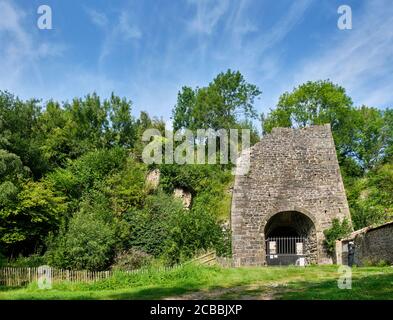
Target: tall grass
{"points": [[187, 274]]}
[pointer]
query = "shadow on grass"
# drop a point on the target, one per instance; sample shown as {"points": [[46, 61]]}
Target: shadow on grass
{"points": [[5, 288], [370, 287], [157, 293]]}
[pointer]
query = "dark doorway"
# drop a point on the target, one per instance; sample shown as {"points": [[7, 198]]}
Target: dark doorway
{"points": [[288, 238]]}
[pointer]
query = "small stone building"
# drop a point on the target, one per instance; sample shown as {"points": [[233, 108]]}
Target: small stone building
{"points": [[367, 246], [290, 195]]}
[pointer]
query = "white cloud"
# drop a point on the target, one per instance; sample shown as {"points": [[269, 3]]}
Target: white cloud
{"points": [[259, 57], [360, 59], [120, 31], [127, 29], [20, 52], [208, 13], [97, 18]]}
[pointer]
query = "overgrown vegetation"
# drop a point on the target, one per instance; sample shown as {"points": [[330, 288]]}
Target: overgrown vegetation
{"points": [[338, 230], [72, 184]]}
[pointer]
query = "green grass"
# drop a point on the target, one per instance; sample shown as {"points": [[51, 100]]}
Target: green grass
{"points": [[193, 282]]}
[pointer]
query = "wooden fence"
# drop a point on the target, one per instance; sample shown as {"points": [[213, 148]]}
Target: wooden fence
{"points": [[208, 258], [23, 276]]}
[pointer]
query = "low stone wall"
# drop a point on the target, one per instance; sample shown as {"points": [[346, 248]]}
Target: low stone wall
{"points": [[371, 246]]}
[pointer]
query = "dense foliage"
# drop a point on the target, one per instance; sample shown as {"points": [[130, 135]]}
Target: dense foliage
{"points": [[73, 189], [338, 230]]}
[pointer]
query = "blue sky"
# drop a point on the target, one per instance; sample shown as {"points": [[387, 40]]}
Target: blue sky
{"points": [[147, 50]]}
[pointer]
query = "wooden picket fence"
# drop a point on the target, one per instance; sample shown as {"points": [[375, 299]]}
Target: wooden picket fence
{"points": [[22, 276], [208, 258]]}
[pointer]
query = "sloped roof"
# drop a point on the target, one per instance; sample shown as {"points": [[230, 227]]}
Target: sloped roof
{"points": [[365, 230]]}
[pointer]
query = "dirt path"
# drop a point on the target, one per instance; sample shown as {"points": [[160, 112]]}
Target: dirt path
{"points": [[256, 291]]}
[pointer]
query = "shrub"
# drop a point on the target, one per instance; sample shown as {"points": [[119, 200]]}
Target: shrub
{"points": [[375, 263], [150, 226], [89, 241], [87, 244], [32, 261], [163, 228], [3, 260], [191, 232], [338, 230], [131, 259]]}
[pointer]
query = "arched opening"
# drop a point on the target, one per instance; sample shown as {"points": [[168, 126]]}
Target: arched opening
{"points": [[290, 237]]}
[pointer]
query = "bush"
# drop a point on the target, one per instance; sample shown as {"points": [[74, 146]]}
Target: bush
{"points": [[90, 240], [163, 228], [150, 227], [191, 232], [131, 259], [376, 263], [3, 260], [32, 261], [338, 230], [88, 170]]}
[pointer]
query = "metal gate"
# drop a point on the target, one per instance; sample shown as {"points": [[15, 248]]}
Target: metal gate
{"points": [[286, 251]]}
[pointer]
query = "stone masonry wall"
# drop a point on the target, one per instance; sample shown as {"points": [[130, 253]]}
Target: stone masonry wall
{"points": [[290, 170], [374, 246]]}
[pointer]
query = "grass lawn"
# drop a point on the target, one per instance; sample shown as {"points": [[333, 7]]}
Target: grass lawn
{"points": [[196, 282]]}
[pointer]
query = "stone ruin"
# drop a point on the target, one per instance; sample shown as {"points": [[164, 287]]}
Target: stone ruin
{"points": [[184, 195], [293, 190], [153, 179]]}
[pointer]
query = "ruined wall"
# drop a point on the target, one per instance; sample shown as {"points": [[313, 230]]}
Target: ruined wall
{"points": [[290, 170], [374, 246]]}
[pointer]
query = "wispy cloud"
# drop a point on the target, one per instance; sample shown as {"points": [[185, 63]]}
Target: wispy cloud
{"points": [[120, 31], [360, 59], [126, 28], [259, 56], [20, 52], [98, 18], [208, 13]]}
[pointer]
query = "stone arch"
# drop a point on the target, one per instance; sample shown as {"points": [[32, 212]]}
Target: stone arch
{"points": [[291, 222], [288, 209]]}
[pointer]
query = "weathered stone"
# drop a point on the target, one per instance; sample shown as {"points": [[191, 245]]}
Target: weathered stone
{"points": [[153, 179], [372, 245], [184, 195], [294, 182]]}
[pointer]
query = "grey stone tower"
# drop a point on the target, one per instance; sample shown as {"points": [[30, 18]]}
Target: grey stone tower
{"points": [[293, 187]]}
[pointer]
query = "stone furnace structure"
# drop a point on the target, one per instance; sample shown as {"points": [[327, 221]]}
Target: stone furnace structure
{"points": [[293, 190]]}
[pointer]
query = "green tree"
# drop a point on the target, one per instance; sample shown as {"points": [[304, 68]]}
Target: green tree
{"points": [[370, 139], [26, 222], [17, 122], [126, 188], [122, 123], [55, 133], [316, 103], [388, 133], [222, 104], [370, 197]]}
